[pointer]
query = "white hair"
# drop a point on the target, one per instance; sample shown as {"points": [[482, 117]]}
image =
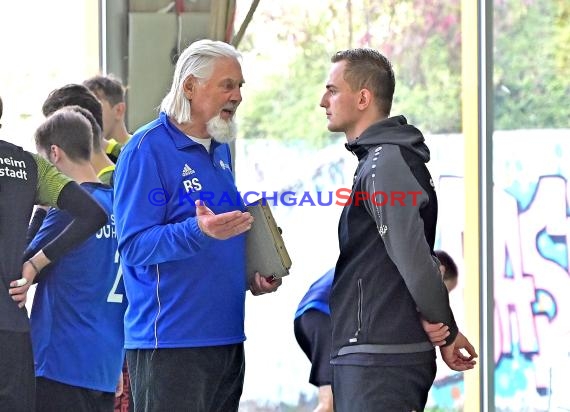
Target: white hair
{"points": [[196, 60]]}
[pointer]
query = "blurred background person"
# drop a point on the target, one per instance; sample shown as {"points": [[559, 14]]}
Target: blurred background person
{"points": [[77, 94], [448, 269], [111, 93], [312, 327]]}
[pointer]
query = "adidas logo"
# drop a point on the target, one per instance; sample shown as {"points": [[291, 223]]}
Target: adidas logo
{"points": [[187, 171], [224, 165]]}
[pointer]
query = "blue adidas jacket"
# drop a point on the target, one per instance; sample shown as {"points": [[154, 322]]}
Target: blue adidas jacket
{"points": [[184, 288]]}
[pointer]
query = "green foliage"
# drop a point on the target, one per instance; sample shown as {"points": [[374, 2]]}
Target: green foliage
{"points": [[562, 40], [433, 105], [423, 40], [531, 90], [288, 107], [425, 51]]}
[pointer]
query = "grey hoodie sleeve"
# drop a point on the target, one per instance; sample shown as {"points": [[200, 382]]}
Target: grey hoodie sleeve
{"points": [[395, 199]]}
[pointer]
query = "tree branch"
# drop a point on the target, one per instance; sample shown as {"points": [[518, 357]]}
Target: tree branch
{"points": [[237, 38]]}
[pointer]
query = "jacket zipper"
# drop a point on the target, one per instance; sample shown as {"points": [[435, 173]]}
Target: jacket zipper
{"points": [[354, 339]]}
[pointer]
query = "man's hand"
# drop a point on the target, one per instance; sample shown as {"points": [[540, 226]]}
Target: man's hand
{"points": [[453, 356], [437, 332], [224, 225], [119, 389], [258, 285], [19, 288], [30, 269]]}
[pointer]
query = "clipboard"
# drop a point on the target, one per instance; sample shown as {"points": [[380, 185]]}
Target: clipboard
{"points": [[265, 248]]}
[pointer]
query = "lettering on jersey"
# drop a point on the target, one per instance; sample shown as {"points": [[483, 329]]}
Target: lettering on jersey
{"points": [[192, 185], [107, 231], [13, 168]]}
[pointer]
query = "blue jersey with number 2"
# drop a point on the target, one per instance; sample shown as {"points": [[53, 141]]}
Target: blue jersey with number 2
{"points": [[79, 305]]}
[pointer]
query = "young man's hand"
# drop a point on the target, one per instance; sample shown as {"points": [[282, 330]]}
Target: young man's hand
{"points": [[30, 269], [437, 332], [453, 356]]}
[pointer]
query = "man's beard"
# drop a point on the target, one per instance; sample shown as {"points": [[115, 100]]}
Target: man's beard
{"points": [[222, 131]]}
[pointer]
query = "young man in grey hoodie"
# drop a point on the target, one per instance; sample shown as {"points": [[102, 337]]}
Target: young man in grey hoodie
{"points": [[386, 278]]}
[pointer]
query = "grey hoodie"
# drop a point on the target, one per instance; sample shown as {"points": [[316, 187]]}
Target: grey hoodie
{"points": [[386, 276]]}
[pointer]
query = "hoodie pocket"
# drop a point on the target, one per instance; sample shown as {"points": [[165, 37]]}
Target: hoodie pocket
{"points": [[360, 300]]}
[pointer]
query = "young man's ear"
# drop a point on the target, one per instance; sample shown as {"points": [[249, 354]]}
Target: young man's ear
{"points": [[120, 109], [54, 154], [364, 99]]}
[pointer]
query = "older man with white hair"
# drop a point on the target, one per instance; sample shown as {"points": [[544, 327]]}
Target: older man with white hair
{"points": [[184, 259]]}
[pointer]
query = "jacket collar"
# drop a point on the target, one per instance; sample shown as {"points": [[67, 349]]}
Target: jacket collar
{"points": [[180, 140]]}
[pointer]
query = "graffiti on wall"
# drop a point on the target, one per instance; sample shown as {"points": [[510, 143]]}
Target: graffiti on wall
{"points": [[531, 244], [531, 236]]}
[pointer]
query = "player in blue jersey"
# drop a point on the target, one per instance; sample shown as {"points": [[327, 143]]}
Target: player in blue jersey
{"points": [[29, 179], [78, 308], [184, 261], [312, 328]]}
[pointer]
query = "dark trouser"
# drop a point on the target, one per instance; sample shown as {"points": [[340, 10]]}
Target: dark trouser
{"points": [[382, 388], [17, 380], [313, 334], [208, 379], [53, 396]]}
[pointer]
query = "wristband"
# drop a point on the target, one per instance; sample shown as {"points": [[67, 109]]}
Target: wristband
{"points": [[31, 262]]}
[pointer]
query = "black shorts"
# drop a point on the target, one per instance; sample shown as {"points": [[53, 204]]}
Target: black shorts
{"points": [[187, 379], [17, 375], [313, 333], [53, 396]]}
